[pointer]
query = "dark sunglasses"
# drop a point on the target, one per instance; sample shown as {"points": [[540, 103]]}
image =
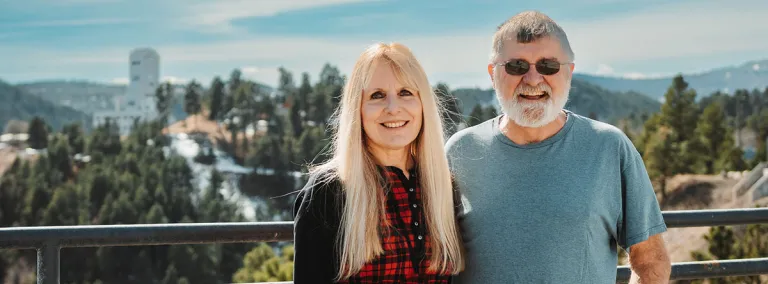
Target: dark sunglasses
{"points": [[544, 66]]}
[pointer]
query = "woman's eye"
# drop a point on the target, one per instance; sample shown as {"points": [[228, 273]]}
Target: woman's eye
{"points": [[377, 95], [406, 93]]}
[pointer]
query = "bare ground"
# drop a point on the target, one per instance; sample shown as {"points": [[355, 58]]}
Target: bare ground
{"points": [[7, 157], [199, 124], [693, 192]]}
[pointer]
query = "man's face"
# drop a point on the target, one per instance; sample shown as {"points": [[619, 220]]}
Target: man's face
{"points": [[532, 99]]}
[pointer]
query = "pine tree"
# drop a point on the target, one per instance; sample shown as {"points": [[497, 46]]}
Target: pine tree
{"points": [[759, 124], [679, 110], [490, 112], [232, 85], [163, 100], [59, 155], [476, 116], [732, 158], [38, 133], [658, 150], [451, 112], [712, 133], [105, 140], [217, 99], [296, 122], [326, 95], [678, 118], [286, 86], [303, 95], [192, 104], [75, 137], [235, 80], [261, 264]]}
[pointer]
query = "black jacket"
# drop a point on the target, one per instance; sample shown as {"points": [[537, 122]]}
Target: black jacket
{"points": [[317, 213]]}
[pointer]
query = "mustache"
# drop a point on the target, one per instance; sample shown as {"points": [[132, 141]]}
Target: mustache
{"points": [[528, 89]]}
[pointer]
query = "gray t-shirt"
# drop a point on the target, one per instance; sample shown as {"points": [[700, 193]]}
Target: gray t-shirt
{"points": [[552, 211]]}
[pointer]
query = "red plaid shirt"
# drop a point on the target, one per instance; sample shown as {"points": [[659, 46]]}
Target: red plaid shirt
{"points": [[317, 212], [406, 243]]}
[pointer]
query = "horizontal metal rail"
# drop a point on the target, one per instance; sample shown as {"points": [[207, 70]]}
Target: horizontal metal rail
{"points": [[715, 217], [708, 269], [49, 240], [145, 234]]}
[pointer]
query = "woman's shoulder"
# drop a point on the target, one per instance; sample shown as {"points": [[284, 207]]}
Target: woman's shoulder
{"points": [[320, 195]]}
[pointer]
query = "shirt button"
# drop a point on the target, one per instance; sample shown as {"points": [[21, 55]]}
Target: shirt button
{"points": [[411, 190], [414, 206], [420, 237], [416, 223]]}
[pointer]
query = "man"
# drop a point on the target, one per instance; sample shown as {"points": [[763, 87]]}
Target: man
{"points": [[548, 194]]}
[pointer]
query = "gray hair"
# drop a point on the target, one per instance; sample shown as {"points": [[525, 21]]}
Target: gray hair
{"points": [[527, 27]]}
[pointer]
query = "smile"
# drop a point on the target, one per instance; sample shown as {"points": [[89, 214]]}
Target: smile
{"points": [[543, 95], [394, 124]]}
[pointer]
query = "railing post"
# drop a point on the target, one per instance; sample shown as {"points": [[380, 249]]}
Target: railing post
{"points": [[48, 263]]}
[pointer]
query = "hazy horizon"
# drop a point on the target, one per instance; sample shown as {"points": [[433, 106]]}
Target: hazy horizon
{"points": [[89, 40]]}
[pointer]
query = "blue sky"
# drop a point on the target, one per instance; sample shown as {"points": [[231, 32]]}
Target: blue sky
{"points": [[90, 39]]}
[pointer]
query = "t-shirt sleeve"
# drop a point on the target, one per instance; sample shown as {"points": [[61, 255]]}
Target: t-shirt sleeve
{"points": [[641, 216]]}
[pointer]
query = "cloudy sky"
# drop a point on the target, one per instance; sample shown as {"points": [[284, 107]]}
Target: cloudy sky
{"points": [[91, 39]]}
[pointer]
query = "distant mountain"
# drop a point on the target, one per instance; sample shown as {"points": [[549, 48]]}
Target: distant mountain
{"points": [[84, 96], [585, 99], [18, 104], [750, 75], [90, 97]]}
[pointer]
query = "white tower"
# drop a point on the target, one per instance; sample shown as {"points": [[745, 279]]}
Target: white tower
{"points": [[138, 103], [145, 75]]}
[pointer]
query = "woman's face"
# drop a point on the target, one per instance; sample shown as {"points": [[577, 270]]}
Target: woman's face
{"points": [[391, 113]]}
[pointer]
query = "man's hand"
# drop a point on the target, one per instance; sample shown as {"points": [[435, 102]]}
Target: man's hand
{"points": [[649, 262]]}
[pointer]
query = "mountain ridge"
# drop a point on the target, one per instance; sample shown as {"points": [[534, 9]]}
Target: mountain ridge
{"points": [[18, 104], [748, 75]]}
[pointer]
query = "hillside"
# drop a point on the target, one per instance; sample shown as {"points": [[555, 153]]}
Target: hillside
{"points": [[89, 97], [21, 105], [84, 96], [585, 98], [750, 75]]}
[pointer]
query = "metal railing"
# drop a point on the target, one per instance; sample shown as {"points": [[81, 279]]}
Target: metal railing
{"points": [[48, 241]]}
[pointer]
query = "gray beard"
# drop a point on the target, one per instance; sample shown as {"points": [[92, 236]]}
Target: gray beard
{"points": [[532, 114]]}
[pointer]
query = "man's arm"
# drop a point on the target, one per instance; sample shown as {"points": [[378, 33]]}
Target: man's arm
{"points": [[649, 262]]}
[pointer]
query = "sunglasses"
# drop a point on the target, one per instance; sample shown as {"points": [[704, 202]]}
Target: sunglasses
{"points": [[544, 66]]}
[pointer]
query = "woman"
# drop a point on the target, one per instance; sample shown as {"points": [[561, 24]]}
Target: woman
{"points": [[382, 209]]}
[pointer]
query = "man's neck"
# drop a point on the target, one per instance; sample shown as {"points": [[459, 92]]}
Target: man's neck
{"points": [[526, 135]]}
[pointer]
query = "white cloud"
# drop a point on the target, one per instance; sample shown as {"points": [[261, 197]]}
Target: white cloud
{"points": [[217, 17], [356, 20], [603, 69], [614, 46], [71, 22], [675, 30], [635, 75], [75, 2], [249, 70], [120, 80], [175, 80]]}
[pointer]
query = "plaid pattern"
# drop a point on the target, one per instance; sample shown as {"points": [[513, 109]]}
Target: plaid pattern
{"points": [[406, 243]]}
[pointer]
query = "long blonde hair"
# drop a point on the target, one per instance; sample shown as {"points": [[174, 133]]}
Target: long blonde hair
{"points": [[355, 167]]}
